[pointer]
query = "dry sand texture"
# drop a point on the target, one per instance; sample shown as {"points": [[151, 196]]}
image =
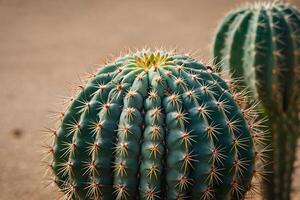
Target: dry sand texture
{"points": [[45, 44]]}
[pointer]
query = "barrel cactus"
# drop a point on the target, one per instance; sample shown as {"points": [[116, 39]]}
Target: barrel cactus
{"points": [[157, 125], [260, 43]]}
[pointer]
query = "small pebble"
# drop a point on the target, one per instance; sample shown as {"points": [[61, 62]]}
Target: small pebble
{"points": [[17, 133]]}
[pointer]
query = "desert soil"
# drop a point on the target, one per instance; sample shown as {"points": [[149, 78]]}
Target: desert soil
{"points": [[45, 45]]}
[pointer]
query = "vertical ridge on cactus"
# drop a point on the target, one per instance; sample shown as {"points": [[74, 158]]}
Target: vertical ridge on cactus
{"points": [[260, 43], [157, 125]]}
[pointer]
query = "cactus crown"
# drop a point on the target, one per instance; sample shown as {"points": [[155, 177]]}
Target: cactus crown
{"points": [[157, 125], [147, 61]]}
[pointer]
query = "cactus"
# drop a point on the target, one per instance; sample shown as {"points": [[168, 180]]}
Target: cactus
{"points": [[157, 125], [260, 43]]}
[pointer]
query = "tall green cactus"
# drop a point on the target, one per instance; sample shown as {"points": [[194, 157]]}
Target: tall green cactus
{"points": [[156, 125], [261, 44]]}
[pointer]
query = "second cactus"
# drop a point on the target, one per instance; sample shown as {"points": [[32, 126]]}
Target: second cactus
{"points": [[260, 43]]}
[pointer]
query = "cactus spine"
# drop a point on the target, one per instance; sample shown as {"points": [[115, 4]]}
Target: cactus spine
{"points": [[157, 125], [260, 43]]}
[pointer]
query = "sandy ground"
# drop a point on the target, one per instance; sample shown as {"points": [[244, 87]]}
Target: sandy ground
{"points": [[45, 45]]}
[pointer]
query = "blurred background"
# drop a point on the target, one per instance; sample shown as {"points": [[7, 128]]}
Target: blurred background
{"points": [[47, 44]]}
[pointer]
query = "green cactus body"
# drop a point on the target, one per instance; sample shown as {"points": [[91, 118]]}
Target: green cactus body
{"points": [[156, 125], [260, 43]]}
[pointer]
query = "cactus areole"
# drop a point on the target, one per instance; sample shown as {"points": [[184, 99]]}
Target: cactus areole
{"points": [[260, 43], [156, 125]]}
